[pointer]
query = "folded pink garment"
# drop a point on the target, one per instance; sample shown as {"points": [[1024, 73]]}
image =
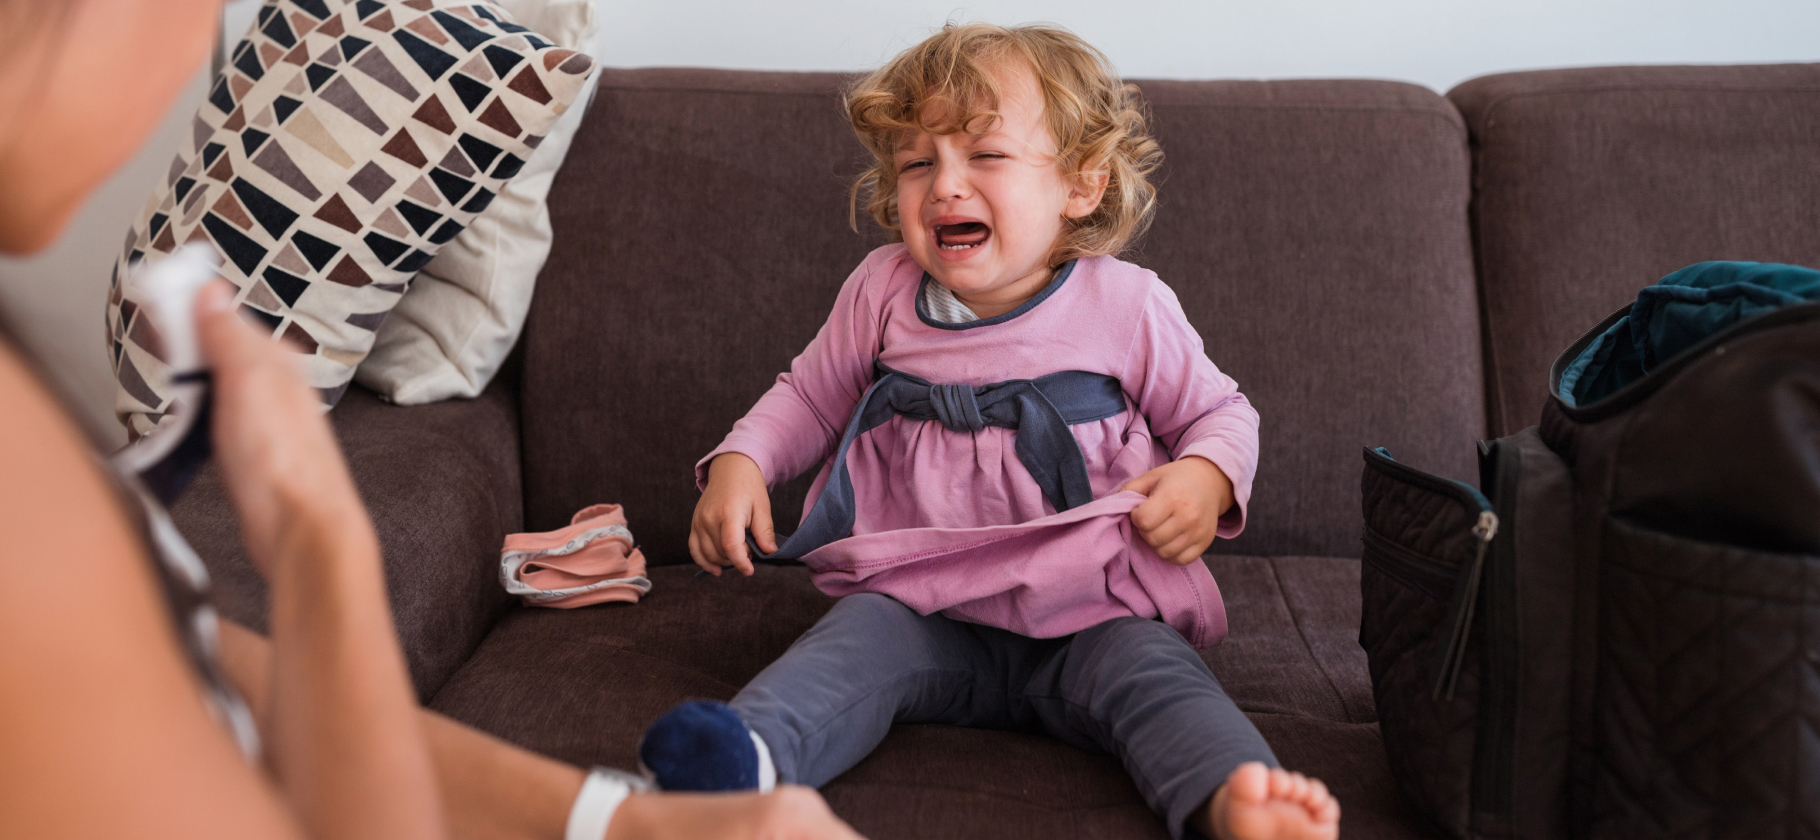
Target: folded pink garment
{"points": [[1048, 577], [590, 562]]}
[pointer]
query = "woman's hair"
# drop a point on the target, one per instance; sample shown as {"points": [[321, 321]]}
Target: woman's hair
{"points": [[1098, 122]]}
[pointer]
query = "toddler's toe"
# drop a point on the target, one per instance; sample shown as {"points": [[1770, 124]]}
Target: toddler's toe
{"points": [[1250, 783]]}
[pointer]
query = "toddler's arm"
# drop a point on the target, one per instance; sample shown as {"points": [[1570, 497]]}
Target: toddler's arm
{"points": [[735, 499], [1209, 427], [793, 427]]}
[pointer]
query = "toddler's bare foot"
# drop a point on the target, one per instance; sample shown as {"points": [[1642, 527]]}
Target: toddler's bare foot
{"points": [[1258, 803]]}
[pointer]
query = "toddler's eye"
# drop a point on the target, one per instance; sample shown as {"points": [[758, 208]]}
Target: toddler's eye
{"points": [[915, 164]]}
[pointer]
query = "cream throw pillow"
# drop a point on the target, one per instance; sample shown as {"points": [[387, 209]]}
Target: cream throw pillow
{"points": [[449, 335]]}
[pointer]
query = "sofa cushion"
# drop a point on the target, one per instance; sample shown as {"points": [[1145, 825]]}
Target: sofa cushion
{"points": [[691, 263], [1315, 233], [1593, 183], [441, 483], [1034, 787], [1293, 648], [581, 685]]}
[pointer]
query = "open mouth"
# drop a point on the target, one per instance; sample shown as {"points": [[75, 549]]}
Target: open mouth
{"points": [[961, 236]]}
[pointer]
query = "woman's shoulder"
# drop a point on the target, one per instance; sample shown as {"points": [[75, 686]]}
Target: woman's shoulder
{"points": [[37, 428], [55, 490]]}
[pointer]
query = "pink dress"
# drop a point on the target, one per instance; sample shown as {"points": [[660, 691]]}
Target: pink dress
{"points": [[952, 522]]}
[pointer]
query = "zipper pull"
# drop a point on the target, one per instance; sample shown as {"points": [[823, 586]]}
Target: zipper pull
{"points": [[1485, 529], [1466, 601]]}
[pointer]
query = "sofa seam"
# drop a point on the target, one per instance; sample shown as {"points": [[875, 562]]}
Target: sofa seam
{"points": [[1501, 100], [633, 651], [1450, 115], [1445, 115], [977, 792], [1283, 595]]}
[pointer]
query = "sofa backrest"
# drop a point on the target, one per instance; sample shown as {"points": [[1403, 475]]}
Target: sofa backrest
{"points": [[1592, 183], [1316, 233]]}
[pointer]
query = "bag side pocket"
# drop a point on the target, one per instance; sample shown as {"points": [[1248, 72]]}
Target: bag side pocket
{"points": [[1420, 554]]}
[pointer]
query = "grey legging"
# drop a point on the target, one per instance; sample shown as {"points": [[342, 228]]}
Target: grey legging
{"points": [[1129, 687]]}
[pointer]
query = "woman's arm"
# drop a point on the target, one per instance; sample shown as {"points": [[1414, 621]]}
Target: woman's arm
{"points": [[493, 790], [345, 741], [104, 731]]}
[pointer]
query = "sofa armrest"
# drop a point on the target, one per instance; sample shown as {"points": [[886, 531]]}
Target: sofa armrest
{"points": [[442, 484]]}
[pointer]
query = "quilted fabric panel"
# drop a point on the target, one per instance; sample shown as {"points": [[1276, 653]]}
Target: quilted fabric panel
{"points": [[345, 142], [1708, 709], [1417, 541]]}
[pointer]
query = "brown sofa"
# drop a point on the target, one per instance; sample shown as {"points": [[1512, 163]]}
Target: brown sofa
{"points": [[1374, 263]]}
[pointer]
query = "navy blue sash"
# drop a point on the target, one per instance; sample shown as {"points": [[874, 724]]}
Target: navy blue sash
{"points": [[1040, 409]]}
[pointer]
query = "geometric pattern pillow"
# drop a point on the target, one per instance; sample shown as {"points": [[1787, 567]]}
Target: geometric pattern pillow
{"points": [[452, 333], [343, 144]]}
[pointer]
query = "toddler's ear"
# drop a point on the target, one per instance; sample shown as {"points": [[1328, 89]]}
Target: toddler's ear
{"points": [[1087, 189]]}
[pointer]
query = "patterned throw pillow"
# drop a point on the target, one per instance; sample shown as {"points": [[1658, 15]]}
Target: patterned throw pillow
{"points": [[453, 332], [343, 145]]}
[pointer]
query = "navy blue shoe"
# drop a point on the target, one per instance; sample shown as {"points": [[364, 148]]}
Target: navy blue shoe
{"points": [[702, 745]]}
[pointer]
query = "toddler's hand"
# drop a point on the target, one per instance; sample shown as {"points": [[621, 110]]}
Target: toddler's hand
{"points": [[1186, 500], [736, 499]]}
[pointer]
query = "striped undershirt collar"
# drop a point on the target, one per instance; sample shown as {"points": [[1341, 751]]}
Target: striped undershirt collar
{"points": [[943, 306]]}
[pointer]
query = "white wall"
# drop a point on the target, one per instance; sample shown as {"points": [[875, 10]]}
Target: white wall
{"points": [[1438, 43], [57, 297]]}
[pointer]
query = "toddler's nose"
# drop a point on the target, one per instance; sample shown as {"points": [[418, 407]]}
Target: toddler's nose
{"points": [[950, 184]]}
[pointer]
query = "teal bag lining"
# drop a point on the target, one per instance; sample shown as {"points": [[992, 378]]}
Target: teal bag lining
{"points": [[1679, 311]]}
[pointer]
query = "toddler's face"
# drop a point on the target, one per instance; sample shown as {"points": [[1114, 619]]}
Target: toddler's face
{"points": [[981, 212]]}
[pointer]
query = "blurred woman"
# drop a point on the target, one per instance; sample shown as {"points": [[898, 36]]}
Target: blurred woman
{"points": [[118, 698]]}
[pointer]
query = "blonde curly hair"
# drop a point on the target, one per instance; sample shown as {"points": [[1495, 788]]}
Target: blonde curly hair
{"points": [[1098, 122]]}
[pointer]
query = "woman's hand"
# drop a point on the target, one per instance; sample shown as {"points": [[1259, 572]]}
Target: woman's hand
{"points": [[1187, 498], [736, 499], [278, 456]]}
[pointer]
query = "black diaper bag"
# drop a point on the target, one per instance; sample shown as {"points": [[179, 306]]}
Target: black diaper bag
{"points": [[1617, 633]]}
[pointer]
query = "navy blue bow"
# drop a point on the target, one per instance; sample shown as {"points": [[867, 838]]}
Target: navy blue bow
{"points": [[1041, 410]]}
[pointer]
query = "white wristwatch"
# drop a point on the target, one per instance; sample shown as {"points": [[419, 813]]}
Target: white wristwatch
{"points": [[601, 794]]}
